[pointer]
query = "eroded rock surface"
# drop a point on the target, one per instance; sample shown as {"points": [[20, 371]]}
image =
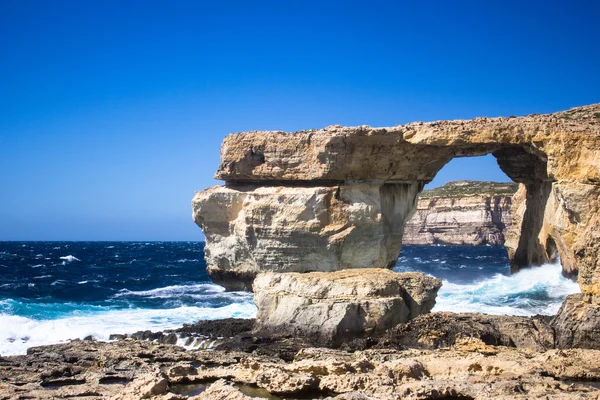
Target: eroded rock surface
{"points": [[133, 369], [463, 213], [251, 228], [576, 323], [334, 307]]}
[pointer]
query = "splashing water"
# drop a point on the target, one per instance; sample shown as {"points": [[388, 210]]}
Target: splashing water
{"points": [[100, 288]]}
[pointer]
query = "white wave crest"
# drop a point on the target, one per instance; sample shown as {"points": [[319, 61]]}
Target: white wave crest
{"points": [[19, 333], [171, 291], [535, 290], [70, 258]]}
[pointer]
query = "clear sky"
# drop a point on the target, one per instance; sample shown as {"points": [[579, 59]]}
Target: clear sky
{"points": [[112, 112]]}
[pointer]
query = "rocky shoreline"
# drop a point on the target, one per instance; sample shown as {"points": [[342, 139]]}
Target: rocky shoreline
{"points": [[312, 221], [437, 355]]}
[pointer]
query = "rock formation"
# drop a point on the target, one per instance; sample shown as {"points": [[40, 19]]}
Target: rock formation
{"points": [[462, 212], [334, 307], [338, 198], [251, 228]]}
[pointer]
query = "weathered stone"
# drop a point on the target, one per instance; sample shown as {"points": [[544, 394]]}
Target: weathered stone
{"points": [[577, 323], [250, 228], [457, 214], [468, 368], [221, 390], [150, 385], [444, 329], [333, 307]]}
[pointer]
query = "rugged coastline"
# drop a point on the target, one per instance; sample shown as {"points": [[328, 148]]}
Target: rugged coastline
{"points": [[438, 355], [312, 222]]}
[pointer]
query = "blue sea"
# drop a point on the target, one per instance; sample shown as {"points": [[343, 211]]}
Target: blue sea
{"points": [[54, 291]]}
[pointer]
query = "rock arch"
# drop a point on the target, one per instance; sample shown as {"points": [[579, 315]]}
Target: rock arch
{"points": [[338, 198]]}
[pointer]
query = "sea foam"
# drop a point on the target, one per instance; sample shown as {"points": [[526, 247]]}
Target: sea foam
{"points": [[534, 290], [18, 333], [70, 258]]}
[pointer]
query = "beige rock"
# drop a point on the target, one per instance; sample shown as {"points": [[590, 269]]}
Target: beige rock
{"points": [[568, 140], [576, 323], [443, 216], [221, 390], [470, 369], [144, 387], [332, 307], [250, 228]]}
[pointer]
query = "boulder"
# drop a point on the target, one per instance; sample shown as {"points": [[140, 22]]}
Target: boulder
{"points": [[333, 307]]}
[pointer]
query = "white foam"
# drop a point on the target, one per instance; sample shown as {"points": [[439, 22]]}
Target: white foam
{"points": [[19, 333], [70, 258], [170, 291], [508, 295]]}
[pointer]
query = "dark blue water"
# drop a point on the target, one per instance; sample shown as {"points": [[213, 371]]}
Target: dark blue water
{"points": [[52, 291]]}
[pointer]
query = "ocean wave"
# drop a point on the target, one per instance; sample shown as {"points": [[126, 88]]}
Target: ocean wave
{"points": [[42, 277], [18, 333], [173, 291], [70, 258], [535, 290]]}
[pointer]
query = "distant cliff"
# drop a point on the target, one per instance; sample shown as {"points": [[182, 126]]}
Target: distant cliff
{"points": [[462, 212]]}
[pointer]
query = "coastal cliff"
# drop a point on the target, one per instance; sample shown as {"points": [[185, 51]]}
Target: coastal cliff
{"points": [[462, 213]]}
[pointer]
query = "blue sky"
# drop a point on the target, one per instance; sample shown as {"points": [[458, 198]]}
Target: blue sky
{"points": [[112, 112]]}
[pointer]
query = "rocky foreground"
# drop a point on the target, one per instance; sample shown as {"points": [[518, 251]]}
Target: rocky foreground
{"points": [[435, 356]]}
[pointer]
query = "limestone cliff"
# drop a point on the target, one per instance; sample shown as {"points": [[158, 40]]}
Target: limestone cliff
{"points": [[338, 198], [462, 212]]}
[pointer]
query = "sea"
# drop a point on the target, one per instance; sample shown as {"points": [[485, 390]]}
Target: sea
{"points": [[51, 292]]}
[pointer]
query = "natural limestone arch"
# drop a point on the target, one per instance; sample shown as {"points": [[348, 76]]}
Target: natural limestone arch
{"points": [[338, 198]]}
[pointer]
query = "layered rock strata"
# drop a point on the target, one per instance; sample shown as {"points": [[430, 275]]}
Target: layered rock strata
{"points": [[334, 307], [338, 198], [462, 213], [251, 228]]}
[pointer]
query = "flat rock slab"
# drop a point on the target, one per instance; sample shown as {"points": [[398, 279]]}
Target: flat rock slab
{"points": [[333, 307]]}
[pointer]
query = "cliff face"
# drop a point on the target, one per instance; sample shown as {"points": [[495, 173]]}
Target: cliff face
{"points": [[462, 213], [251, 229]]}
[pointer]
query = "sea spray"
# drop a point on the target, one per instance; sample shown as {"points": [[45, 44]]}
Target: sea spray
{"points": [[534, 290], [18, 333], [161, 285]]}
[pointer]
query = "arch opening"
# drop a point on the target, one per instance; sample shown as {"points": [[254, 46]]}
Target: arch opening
{"points": [[469, 223]]}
